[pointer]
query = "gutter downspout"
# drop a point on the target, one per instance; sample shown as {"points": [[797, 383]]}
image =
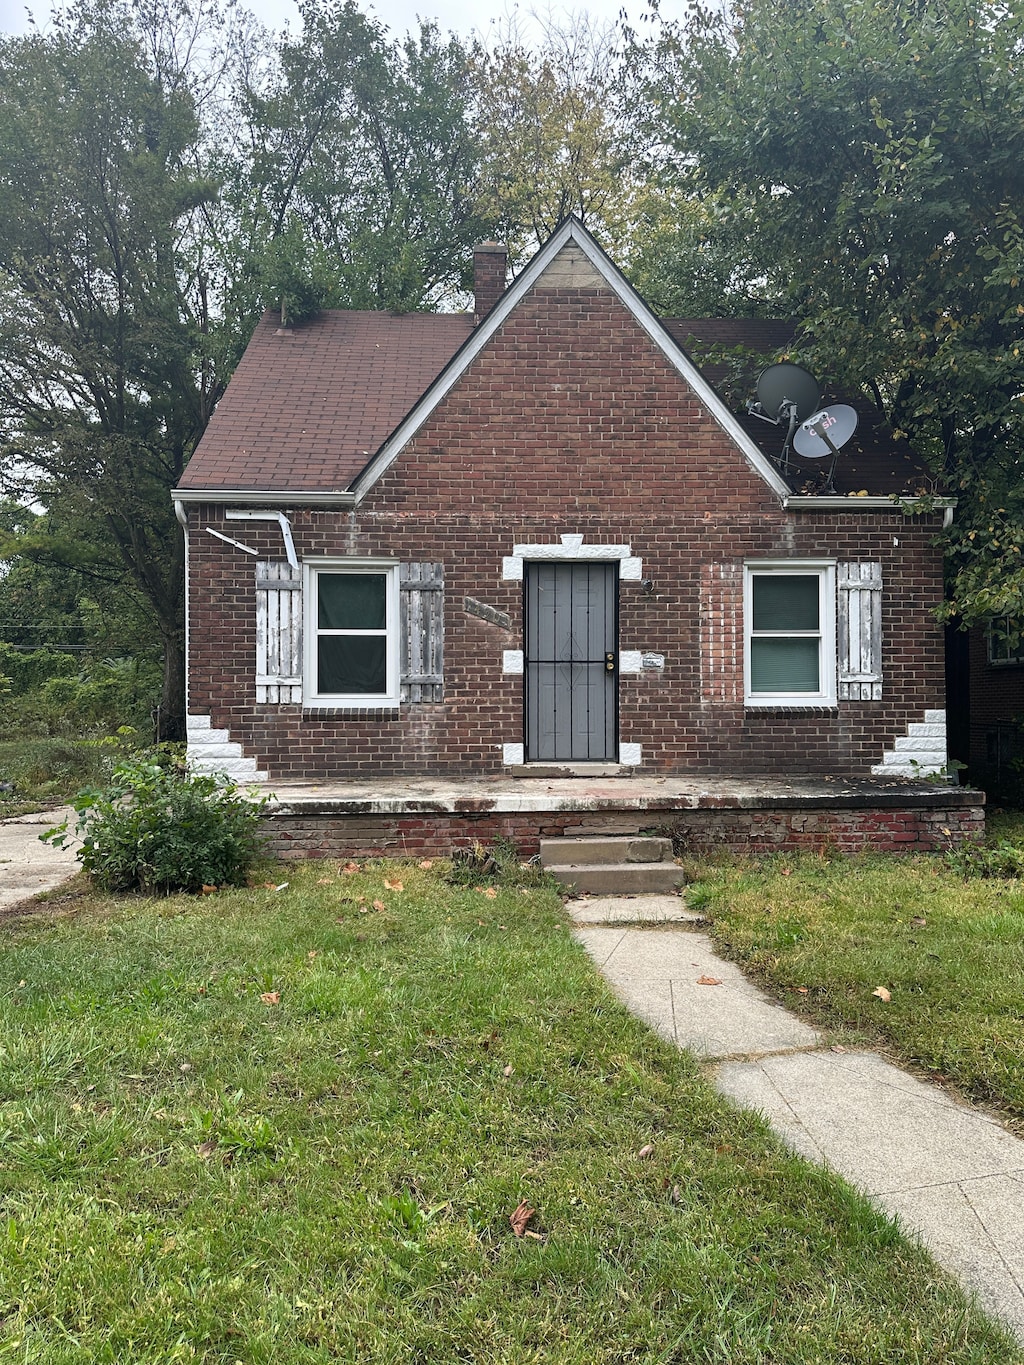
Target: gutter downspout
{"points": [[286, 528], [182, 517]]}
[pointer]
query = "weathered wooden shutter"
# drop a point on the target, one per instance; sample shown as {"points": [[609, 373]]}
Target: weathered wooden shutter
{"points": [[421, 589], [860, 631], [278, 632]]}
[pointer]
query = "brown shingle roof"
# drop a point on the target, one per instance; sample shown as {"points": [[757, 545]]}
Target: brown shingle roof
{"points": [[308, 407]]}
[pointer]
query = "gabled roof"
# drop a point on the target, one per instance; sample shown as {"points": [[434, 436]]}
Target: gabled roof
{"points": [[323, 409]]}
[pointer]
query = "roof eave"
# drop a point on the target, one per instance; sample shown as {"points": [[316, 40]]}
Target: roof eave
{"points": [[911, 506], [289, 497]]}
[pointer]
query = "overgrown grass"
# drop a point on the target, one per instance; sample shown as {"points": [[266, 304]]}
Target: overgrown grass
{"points": [[292, 1125], [38, 770], [826, 933]]}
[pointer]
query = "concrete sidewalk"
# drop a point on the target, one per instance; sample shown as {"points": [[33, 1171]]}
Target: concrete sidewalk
{"points": [[28, 866], [952, 1174]]}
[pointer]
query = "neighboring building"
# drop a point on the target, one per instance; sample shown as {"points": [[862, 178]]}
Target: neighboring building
{"points": [[464, 545]]}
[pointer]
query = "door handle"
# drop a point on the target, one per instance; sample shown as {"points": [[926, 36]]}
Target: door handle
{"points": [[609, 663]]}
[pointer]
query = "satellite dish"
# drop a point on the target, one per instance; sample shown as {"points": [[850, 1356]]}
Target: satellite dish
{"points": [[780, 386], [826, 432]]}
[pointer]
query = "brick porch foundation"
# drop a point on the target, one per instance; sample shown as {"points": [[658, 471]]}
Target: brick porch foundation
{"points": [[428, 820]]}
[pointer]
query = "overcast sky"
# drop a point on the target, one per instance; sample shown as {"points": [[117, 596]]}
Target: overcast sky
{"points": [[462, 16]]}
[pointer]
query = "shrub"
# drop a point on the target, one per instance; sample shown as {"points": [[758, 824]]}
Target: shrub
{"points": [[1000, 859], [158, 828]]}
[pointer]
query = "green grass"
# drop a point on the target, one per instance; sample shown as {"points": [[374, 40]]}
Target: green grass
{"points": [[190, 1172], [824, 933]]}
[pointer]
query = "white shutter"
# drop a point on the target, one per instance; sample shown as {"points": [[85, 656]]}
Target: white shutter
{"points": [[278, 632], [860, 631], [421, 589]]}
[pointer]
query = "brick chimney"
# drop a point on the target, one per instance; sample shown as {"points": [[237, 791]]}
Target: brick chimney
{"points": [[489, 261]]}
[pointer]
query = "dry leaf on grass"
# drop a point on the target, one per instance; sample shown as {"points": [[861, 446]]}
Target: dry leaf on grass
{"points": [[919, 921], [324, 881], [801, 990], [271, 997], [646, 1150], [426, 864], [489, 892], [379, 905], [208, 890], [882, 994], [507, 1071], [393, 886], [520, 1217], [708, 981], [206, 1149], [350, 867]]}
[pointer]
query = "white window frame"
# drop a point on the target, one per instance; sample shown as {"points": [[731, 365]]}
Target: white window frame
{"points": [[993, 646], [825, 570], [311, 571]]}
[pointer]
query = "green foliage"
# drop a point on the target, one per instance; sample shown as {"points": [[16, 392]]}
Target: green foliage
{"points": [[868, 152], [47, 692], [1001, 858], [157, 828], [499, 864], [36, 769]]}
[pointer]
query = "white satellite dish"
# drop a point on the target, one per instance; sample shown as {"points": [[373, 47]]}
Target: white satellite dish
{"points": [[826, 432]]}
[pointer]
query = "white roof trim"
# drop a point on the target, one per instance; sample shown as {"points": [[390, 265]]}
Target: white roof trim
{"points": [[570, 231], [295, 498]]}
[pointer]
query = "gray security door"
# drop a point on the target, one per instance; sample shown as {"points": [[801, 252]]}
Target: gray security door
{"points": [[571, 662]]}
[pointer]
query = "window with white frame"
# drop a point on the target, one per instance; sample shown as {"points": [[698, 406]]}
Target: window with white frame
{"points": [[351, 633], [1004, 638], [790, 653]]}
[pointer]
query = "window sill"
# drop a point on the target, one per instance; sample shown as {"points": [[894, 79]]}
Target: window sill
{"points": [[349, 704]]}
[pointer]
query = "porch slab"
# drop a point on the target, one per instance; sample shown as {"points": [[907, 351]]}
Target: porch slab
{"points": [[417, 816]]}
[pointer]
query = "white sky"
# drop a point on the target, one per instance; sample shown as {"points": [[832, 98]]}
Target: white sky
{"points": [[462, 16]]}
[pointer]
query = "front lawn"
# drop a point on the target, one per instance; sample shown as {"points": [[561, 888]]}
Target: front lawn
{"points": [[825, 934], [293, 1125]]}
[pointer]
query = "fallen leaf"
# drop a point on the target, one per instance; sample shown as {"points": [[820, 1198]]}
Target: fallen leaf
{"points": [[786, 871], [313, 954], [268, 886], [185, 1066], [426, 864], [708, 981], [324, 881], [393, 886], [838, 1047], [800, 990], [364, 909], [508, 1070], [271, 997], [206, 1149], [490, 892], [520, 1217], [350, 867], [379, 905], [675, 1194], [645, 1151], [208, 890], [919, 921], [537, 1236], [882, 994]]}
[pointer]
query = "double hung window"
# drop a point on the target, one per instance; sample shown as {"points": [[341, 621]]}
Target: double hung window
{"points": [[790, 655], [351, 634]]}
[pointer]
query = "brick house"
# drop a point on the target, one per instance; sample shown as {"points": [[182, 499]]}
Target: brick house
{"points": [[537, 539]]}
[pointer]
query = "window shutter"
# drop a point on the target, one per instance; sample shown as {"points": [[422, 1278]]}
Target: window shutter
{"points": [[421, 589], [278, 633], [860, 632]]}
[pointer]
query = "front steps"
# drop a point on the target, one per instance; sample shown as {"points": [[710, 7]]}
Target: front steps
{"points": [[634, 866]]}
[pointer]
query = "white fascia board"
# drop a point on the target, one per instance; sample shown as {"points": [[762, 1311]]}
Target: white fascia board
{"points": [[264, 498], [570, 231], [812, 503]]}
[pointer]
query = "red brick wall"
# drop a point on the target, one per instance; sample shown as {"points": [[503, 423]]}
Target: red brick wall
{"points": [[571, 421], [745, 832]]}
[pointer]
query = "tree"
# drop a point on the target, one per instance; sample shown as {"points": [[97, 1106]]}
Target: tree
{"points": [[556, 135], [360, 175], [107, 374], [869, 153]]}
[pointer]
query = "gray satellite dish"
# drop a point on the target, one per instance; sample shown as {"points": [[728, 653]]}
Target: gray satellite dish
{"points": [[783, 385], [825, 432]]}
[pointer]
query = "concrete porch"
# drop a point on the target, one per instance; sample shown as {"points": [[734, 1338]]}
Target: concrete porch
{"points": [[428, 817]]}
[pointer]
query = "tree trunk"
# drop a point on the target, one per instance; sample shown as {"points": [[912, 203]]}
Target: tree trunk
{"points": [[170, 716]]}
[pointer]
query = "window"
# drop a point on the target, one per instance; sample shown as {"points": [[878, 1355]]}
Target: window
{"points": [[351, 634], [790, 634], [1005, 641]]}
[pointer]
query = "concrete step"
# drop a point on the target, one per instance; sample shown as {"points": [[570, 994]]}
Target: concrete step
{"points": [[619, 879], [633, 849]]}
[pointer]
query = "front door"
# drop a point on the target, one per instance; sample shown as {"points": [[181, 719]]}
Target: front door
{"points": [[571, 662]]}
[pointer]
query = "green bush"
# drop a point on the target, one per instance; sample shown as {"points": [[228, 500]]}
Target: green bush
{"points": [[999, 859], [160, 829]]}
